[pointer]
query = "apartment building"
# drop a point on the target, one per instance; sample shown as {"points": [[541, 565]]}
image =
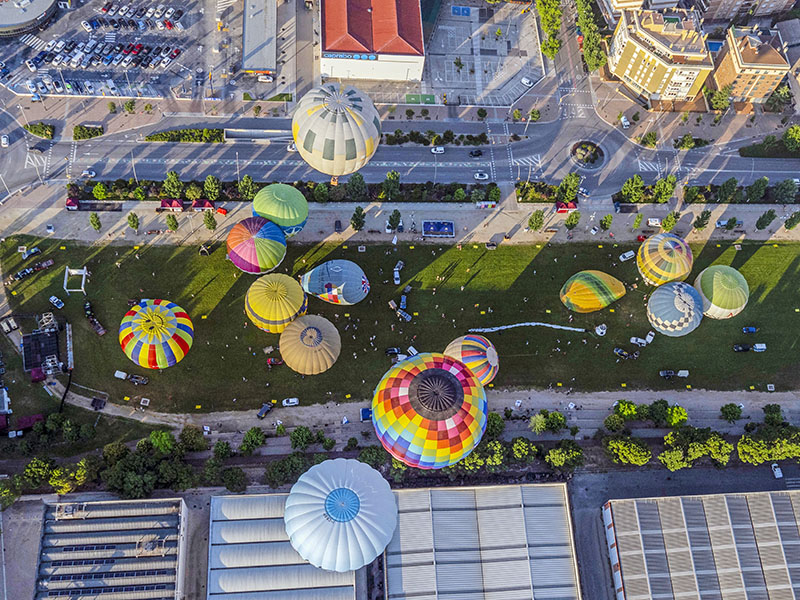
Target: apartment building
{"points": [[790, 44], [612, 9], [752, 63], [726, 10], [661, 55]]}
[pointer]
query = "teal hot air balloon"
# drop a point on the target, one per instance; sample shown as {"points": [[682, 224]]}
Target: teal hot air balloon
{"points": [[284, 205], [724, 291], [336, 282], [675, 309]]}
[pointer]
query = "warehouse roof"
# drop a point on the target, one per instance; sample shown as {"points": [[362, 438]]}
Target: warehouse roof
{"points": [[373, 26], [260, 30], [250, 556], [114, 550], [714, 546], [500, 543]]}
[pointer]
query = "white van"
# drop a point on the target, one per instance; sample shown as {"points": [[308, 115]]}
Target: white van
{"points": [[653, 222]]}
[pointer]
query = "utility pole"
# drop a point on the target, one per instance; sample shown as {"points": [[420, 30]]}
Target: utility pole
{"points": [[238, 179], [24, 116]]}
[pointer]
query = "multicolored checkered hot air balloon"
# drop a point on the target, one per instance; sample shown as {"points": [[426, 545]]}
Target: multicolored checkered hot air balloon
{"points": [[337, 282], [156, 333], [429, 411], [664, 257], [284, 205], [588, 291], [675, 309], [478, 353], [273, 301], [256, 245], [724, 291]]}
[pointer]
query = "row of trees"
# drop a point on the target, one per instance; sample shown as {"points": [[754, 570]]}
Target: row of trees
{"points": [[635, 191], [550, 18], [730, 192], [593, 52]]}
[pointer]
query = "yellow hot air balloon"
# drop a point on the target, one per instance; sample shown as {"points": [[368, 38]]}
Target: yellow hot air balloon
{"points": [[664, 257], [274, 301], [310, 345], [588, 291]]}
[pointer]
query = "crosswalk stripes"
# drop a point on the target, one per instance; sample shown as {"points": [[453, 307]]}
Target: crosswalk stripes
{"points": [[223, 4], [33, 41], [646, 165], [528, 161], [111, 38], [792, 483]]}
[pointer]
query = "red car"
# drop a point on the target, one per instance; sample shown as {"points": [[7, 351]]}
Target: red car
{"points": [[137, 48], [175, 53], [641, 238], [168, 24], [128, 49], [105, 8]]}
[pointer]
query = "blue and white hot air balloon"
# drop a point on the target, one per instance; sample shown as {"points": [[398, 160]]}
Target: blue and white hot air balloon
{"points": [[336, 282]]}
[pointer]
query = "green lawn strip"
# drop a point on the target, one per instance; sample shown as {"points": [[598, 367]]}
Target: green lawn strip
{"points": [[777, 149], [227, 361], [282, 97]]}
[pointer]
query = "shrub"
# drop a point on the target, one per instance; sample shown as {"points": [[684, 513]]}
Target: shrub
{"points": [[352, 444], [792, 221], [187, 135], [572, 220], [649, 139], [567, 455], [628, 451], [730, 412], [614, 423], [301, 438], [112, 107], [536, 220], [676, 416], [482, 113], [100, 191], [764, 220], [534, 115], [222, 450], [495, 425], [234, 479], [253, 438], [605, 222], [94, 221], [82, 132], [42, 130]]}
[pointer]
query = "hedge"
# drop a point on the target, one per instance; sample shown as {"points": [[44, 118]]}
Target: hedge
{"points": [[82, 132], [41, 130], [536, 191], [187, 135]]}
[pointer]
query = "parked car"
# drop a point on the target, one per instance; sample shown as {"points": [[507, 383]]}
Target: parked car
{"points": [[396, 277], [622, 353], [723, 223], [56, 301], [437, 150], [526, 82], [290, 401], [177, 16], [31, 252], [392, 351], [481, 176], [749, 329], [626, 255], [741, 347], [638, 342], [776, 471], [594, 230], [669, 374], [624, 121], [653, 222], [582, 191], [265, 408], [4, 141], [337, 226], [651, 335], [88, 173], [86, 26]]}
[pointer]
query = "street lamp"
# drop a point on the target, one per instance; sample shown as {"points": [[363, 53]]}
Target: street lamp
{"points": [[19, 106], [238, 179]]}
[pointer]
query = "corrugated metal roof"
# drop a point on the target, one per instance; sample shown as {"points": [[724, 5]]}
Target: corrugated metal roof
{"points": [[337, 593], [491, 543]]}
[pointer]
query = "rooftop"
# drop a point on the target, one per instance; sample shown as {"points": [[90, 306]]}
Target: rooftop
{"points": [[260, 30], [372, 26], [756, 48], [19, 12], [673, 34], [790, 37]]}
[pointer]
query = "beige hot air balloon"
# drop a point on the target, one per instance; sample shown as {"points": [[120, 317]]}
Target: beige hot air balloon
{"points": [[310, 345]]}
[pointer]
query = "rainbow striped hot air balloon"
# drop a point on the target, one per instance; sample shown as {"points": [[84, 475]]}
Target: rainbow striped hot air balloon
{"points": [[664, 257], [429, 411], [156, 333], [588, 291], [273, 301], [478, 353], [256, 245]]}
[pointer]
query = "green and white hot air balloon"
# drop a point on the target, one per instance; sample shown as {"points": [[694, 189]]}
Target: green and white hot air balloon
{"points": [[724, 291]]}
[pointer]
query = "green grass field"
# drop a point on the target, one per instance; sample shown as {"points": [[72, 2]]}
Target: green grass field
{"points": [[509, 285]]}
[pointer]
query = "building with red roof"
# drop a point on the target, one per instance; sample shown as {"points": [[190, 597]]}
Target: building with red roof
{"points": [[372, 39], [171, 204]]}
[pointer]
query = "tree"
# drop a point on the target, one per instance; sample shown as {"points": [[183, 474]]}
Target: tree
{"points": [[781, 97], [253, 438], [658, 412], [773, 415], [87, 431], [321, 193], [162, 441], [538, 423], [139, 194], [359, 218], [112, 108], [572, 220], [633, 189], [550, 47], [301, 438], [792, 221], [172, 186], [664, 188], [133, 221], [356, 188], [628, 451], [391, 185], [701, 221], [493, 195], [209, 221], [394, 219], [686, 142], [482, 113], [212, 188], [555, 421], [193, 192], [256, 110], [637, 220], [764, 220], [785, 192], [234, 480], [495, 425], [731, 224], [499, 33], [676, 416], [374, 456], [457, 62], [70, 431], [536, 220], [649, 139], [148, 108], [172, 222], [719, 99], [130, 106], [409, 113], [247, 188], [568, 188], [37, 471], [756, 190], [212, 471], [605, 222], [567, 455], [62, 480], [670, 221], [100, 191], [614, 423], [791, 138], [626, 409], [477, 195], [516, 115], [193, 439], [727, 190], [94, 221], [114, 452], [534, 115], [730, 412], [459, 195]]}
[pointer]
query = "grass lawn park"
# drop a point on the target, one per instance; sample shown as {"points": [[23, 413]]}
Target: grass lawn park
{"points": [[453, 290]]}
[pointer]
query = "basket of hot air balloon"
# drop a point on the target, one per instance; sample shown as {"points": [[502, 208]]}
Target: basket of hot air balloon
{"points": [[664, 257], [156, 334], [429, 411], [336, 282], [273, 301], [675, 309], [310, 345], [588, 291], [256, 245], [284, 205], [724, 291], [478, 353]]}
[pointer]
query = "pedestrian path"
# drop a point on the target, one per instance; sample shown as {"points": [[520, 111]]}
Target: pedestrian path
{"points": [[792, 483], [33, 41], [528, 161]]}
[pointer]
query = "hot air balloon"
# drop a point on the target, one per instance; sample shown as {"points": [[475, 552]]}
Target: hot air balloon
{"points": [[675, 309], [336, 129], [156, 334], [724, 291], [273, 301], [588, 291], [337, 282], [478, 353], [664, 257], [340, 515], [256, 245], [429, 411], [284, 205], [310, 344]]}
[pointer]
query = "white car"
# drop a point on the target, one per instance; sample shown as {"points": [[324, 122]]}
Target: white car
{"points": [[118, 59], [55, 301], [289, 401], [638, 342], [49, 45], [150, 12], [582, 191], [159, 11], [111, 11], [57, 60], [653, 222], [4, 141], [625, 123], [86, 26], [31, 66], [396, 277], [88, 173], [169, 13], [526, 82], [651, 335], [594, 230], [89, 87], [165, 62], [481, 176], [265, 79], [626, 255], [60, 46], [160, 25], [776, 471], [387, 229], [437, 150], [31, 86], [128, 60]]}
